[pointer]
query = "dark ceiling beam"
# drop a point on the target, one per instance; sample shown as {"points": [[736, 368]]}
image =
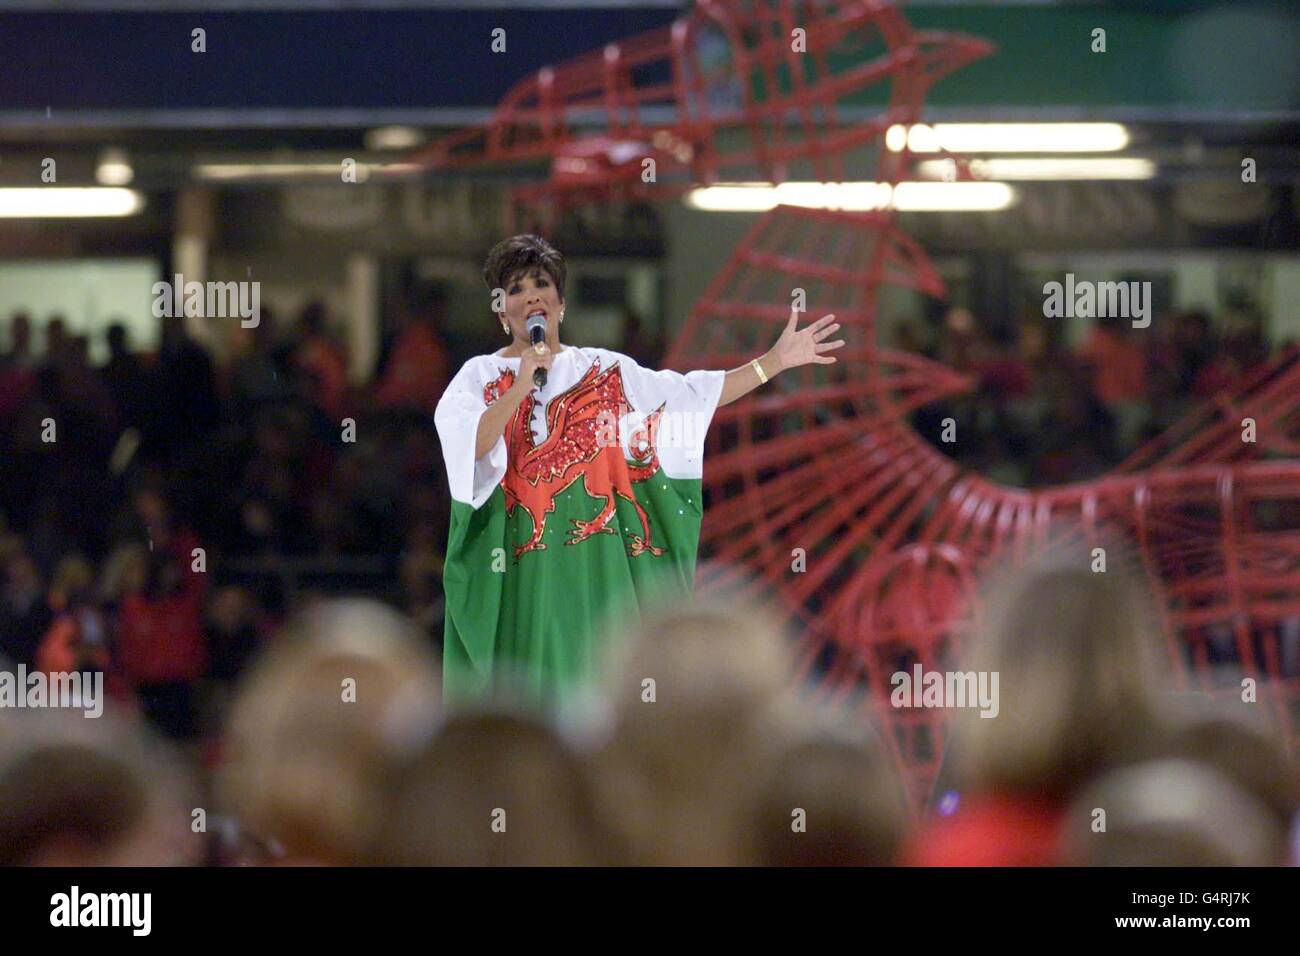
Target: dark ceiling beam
{"points": [[456, 117], [219, 6]]}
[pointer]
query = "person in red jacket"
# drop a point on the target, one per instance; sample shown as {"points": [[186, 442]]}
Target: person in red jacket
{"points": [[161, 644], [160, 631], [416, 374], [322, 360]]}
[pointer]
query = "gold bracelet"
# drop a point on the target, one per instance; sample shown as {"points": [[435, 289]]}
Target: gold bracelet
{"points": [[762, 376]]}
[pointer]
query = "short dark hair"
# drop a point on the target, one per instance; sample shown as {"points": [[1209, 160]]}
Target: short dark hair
{"points": [[521, 254]]}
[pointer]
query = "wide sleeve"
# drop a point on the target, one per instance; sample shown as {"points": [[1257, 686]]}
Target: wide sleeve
{"points": [[457, 416], [688, 401]]}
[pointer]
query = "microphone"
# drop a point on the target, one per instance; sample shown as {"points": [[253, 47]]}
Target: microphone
{"points": [[537, 332]]}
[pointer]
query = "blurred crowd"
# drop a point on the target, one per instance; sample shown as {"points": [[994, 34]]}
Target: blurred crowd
{"points": [[179, 525], [1043, 414], [171, 493], [693, 748], [161, 513]]}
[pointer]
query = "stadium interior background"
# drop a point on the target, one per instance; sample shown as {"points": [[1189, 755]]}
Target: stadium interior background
{"points": [[198, 430]]}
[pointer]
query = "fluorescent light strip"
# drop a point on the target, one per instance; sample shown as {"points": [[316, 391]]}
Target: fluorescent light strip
{"points": [[236, 171], [394, 137], [1008, 137], [230, 172], [68, 202], [952, 197], [1074, 167], [858, 196]]}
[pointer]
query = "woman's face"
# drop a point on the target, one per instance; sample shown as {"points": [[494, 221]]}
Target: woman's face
{"points": [[531, 292]]}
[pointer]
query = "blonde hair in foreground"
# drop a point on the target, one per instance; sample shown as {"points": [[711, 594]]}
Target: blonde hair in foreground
{"points": [[689, 695], [308, 758], [1171, 813], [1080, 671], [495, 789]]}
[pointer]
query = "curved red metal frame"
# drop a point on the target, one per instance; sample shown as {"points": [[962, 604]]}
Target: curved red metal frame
{"points": [[694, 141], [823, 459]]}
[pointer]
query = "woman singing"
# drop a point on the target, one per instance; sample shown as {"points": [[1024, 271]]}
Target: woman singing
{"points": [[577, 499]]}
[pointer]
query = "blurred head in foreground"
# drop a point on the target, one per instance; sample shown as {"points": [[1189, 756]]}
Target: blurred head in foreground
{"points": [[689, 694], [1080, 671], [830, 796], [495, 789], [1235, 740], [1170, 813], [347, 693], [92, 792], [1079, 686]]}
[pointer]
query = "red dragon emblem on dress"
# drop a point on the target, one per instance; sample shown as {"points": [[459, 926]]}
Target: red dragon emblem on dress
{"points": [[578, 428]]}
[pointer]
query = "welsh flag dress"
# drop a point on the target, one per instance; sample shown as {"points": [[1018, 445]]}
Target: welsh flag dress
{"points": [[582, 515]]}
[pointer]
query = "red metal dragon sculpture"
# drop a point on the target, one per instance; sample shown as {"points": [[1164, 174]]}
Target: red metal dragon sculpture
{"points": [[894, 532]]}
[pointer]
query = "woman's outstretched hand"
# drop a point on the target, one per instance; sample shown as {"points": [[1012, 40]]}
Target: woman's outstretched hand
{"points": [[805, 346]]}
